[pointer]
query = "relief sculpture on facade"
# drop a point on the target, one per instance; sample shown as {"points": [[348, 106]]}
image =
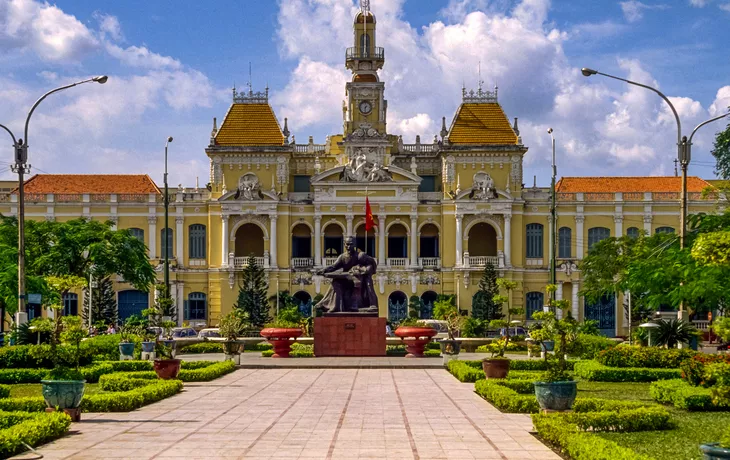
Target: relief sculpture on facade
{"points": [[249, 188]]}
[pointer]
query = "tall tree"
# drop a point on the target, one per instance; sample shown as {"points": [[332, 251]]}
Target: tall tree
{"points": [[721, 152], [483, 305], [103, 305], [252, 297]]}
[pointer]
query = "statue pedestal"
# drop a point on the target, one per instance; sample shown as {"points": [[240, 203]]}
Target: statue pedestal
{"points": [[340, 335]]}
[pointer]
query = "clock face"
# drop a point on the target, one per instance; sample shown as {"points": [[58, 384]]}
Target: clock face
{"points": [[366, 107]]}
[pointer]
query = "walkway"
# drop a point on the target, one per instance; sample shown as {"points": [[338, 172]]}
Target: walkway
{"points": [[310, 414]]}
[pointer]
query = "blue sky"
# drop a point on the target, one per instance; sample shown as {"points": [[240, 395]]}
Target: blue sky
{"points": [[172, 64]]}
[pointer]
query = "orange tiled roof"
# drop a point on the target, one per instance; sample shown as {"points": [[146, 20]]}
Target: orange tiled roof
{"points": [[91, 183], [629, 184], [250, 124], [481, 124]]}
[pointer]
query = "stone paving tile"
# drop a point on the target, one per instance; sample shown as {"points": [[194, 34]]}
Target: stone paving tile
{"points": [[310, 414]]}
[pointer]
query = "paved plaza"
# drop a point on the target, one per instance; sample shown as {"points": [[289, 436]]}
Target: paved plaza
{"points": [[309, 414]]}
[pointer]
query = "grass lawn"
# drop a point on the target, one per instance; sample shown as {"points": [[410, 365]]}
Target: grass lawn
{"points": [[34, 389], [615, 390]]}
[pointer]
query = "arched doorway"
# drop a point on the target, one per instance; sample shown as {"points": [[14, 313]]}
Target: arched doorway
{"points": [[397, 245], [333, 242], [304, 303], [603, 311], [482, 245], [428, 299], [249, 241], [397, 306], [132, 302], [301, 246]]}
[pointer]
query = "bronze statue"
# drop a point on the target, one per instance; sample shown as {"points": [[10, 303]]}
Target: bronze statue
{"points": [[352, 289]]}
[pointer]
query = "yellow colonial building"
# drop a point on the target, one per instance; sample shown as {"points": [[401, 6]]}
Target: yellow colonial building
{"points": [[443, 208]]}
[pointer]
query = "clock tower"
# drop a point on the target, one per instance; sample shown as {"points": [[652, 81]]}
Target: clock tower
{"points": [[365, 103]]}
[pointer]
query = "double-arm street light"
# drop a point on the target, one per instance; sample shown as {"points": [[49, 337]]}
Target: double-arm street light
{"points": [[167, 228], [21, 166], [554, 219], [684, 147]]}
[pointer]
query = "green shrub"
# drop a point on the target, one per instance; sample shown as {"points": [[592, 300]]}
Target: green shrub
{"points": [[598, 405], [8, 419], [121, 382], [693, 369], [627, 420], [579, 445], [432, 353], [523, 387], [13, 376], [126, 401], [31, 429], [464, 371], [535, 364], [649, 357], [298, 350], [4, 391], [594, 371], [587, 346], [203, 347], [20, 356], [683, 395], [105, 347], [506, 399], [27, 404], [261, 346], [511, 346], [131, 366], [211, 371]]}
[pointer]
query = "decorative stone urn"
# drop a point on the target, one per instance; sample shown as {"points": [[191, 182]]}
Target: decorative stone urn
{"points": [[415, 339], [166, 369], [281, 339], [64, 394], [713, 451]]}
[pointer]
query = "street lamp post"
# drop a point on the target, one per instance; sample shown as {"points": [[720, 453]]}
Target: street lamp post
{"points": [[553, 222], [21, 167], [167, 228]]}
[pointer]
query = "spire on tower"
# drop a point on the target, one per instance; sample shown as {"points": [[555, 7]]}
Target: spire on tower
{"points": [[364, 5]]}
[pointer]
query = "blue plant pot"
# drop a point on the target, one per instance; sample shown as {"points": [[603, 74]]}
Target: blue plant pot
{"points": [[713, 451], [126, 349], [64, 394], [148, 347], [548, 345], [556, 395]]}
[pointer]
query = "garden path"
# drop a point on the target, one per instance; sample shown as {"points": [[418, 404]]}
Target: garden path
{"points": [[309, 414]]}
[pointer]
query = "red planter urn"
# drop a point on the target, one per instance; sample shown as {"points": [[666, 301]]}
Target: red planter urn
{"points": [[415, 338], [281, 339], [166, 369]]}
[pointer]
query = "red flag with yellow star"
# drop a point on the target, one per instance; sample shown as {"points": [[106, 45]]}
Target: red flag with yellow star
{"points": [[369, 223]]}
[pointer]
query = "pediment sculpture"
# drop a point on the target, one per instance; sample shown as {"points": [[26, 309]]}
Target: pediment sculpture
{"points": [[365, 131], [361, 169], [249, 188], [483, 187]]}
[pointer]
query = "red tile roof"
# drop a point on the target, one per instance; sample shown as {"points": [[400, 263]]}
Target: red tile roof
{"points": [[91, 183], [629, 184]]}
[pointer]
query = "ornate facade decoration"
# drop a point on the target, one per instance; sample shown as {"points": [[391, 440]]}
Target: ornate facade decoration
{"points": [[483, 187], [430, 279], [251, 97], [302, 279], [249, 188], [361, 169], [398, 278], [479, 96]]}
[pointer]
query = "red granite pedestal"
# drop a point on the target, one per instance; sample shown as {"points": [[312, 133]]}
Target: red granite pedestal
{"points": [[349, 336]]}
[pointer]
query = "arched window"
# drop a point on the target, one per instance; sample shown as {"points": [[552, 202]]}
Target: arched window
{"points": [[597, 234], [534, 241], [196, 244], [196, 307], [664, 230], [70, 304], [167, 240], [137, 233], [564, 242], [633, 232], [534, 303]]}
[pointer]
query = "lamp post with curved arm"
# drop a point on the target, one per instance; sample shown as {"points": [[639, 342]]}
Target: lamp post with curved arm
{"points": [[166, 243], [21, 167], [554, 217]]}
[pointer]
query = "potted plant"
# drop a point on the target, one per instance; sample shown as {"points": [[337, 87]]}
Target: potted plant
{"points": [[556, 390], [283, 331], [450, 347], [415, 335], [126, 346], [231, 327], [717, 450], [497, 366], [165, 365], [149, 338]]}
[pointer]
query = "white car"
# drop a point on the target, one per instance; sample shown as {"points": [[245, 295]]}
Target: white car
{"points": [[209, 333], [441, 327]]}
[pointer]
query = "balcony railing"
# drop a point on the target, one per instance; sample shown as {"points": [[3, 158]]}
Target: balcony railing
{"points": [[309, 148], [397, 262], [419, 148], [329, 261], [433, 263], [480, 261], [702, 325], [363, 53], [302, 262], [242, 262], [301, 197], [430, 196]]}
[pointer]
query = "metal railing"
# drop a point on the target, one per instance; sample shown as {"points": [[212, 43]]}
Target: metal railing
{"points": [[364, 53], [397, 262], [429, 262], [302, 262]]}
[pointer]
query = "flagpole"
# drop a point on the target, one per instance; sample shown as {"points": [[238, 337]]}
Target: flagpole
{"points": [[366, 220]]}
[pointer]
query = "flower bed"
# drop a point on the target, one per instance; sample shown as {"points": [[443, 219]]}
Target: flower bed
{"points": [[594, 371], [20, 428]]}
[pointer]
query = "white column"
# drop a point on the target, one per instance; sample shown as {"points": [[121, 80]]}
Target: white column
{"points": [[381, 239], [272, 241], [575, 302], [459, 242], [152, 221], [647, 223], [349, 218], [618, 230], [225, 239], [414, 241], [579, 236], [508, 240], [179, 288], [559, 296], [551, 239], [317, 241], [179, 239]]}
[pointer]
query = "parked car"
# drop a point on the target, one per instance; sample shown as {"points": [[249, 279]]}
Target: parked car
{"points": [[519, 330], [184, 333], [440, 326], [211, 332]]}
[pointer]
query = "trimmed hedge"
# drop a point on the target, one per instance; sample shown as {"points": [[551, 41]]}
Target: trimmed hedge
{"points": [[651, 357], [298, 350], [465, 371], [211, 371], [126, 401], [31, 429], [203, 347], [683, 395], [507, 399], [587, 346], [4, 391], [471, 371], [693, 370], [626, 420], [594, 371], [12, 376]]}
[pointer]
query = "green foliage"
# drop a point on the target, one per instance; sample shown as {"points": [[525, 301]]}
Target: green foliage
{"points": [[589, 327], [594, 371], [204, 372], [598, 405], [721, 152], [73, 333], [23, 335], [473, 327], [562, 331], [464, 371], [652, 357], [410, 321], [20, 429], [203, 347], [4, 391], [414, 306], [64, 373], [288, 318], [683, 395], [450, 314], [506, 399], [693, 369], [14, 376], [127, 401], [104, 303], [721, 327], [298, 350], [499, 344], [252, 297], [673, 331], [725, 440], [483, 306], [587, 346], [233, 325]]}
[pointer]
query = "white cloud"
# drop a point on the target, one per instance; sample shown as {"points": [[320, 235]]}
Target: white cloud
{"points": [[417, 125], [721, 104], [603, 29], [634, 10], [136, 56], [725, 7], [699, 3], [109, 26]]}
